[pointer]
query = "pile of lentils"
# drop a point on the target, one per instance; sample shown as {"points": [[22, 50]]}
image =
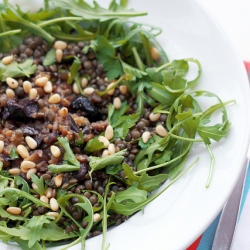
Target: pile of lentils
{"points": [[35, 111]]}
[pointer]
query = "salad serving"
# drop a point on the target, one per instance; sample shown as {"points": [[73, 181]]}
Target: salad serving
{"points": [[94, 118]]}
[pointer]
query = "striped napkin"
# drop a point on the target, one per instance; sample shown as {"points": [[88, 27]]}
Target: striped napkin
{"points": [[240, 240]]}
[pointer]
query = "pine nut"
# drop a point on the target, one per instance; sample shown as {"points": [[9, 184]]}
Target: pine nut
{"points": [[33, 93], [58, 180], [96, 217], [12, 184], [111, 148], [60, 45], [10, 93], [30, 172], [12, 83], [75, 89], [63, 112], [109, 132], [160, 130], [24, 170], [56, 98], [31, 142], [54, 204], [54, 214], [123, 89], [154, 54], [14, 210], [55, 151], [104, 141], [154, 117], [28, 164], [41, 81], [111, 92], [105, 153], [48, 87], [14, 171], [7, 59], [84, 82], [117, 103], [1, 146], [145, 136], [34, 186], [88, 91], [44, 199], [59, 55], [48, 192], [22, 151], [27, 86]]}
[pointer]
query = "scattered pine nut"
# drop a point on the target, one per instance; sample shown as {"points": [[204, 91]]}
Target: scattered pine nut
{"points": [[63, 112], [27, 86], [7, 59], [12, 184], [160, 130], [12, 83], [104, 140], [145, 136], [105, 153], [30, 172], [111, 92], [14, 171], [123, 89], [14, 210], [58, 180], [109, 132], [54, 204], [22, 151], [48, 192], [31, 142], [154, 53], [111, 148], [33, 93], [96, 217], [10, 93], [54, 214], [55, 151], [75, 89], [59, 55], [117, 103], [28, 164], [154, 117], [88, 91], [48, 87], [41, 81], [56, 98], [60, 45], [44, 199], [1, 146], [84, 82]]}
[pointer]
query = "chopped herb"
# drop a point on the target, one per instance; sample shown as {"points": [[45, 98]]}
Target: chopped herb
{"points": [[13, 154]]}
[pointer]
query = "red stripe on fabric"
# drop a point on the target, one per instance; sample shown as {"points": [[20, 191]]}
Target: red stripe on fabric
{"points": [[195, 244], [247, 65]]}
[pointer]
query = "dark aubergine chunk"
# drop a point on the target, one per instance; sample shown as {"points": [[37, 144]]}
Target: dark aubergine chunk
{"points": [[84, 104], [23, 109], [73, 125]]}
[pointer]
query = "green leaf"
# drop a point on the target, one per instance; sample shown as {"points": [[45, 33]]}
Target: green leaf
{"points": [[15, 69], [113, 169], [40, 184], [150, 183], [97, 163], [35, 225], [68, 155], [93, 145], [4, 181], [115, 114], [64, 168], [96, 12], [50, 57], [13, 154], [165, 156], [145, 145], [74, 68], [106, 54]]}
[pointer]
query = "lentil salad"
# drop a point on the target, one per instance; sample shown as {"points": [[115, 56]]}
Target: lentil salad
{"points": [[80, 135]]}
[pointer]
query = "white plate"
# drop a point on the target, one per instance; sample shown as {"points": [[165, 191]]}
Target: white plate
{"points": [[181, 214]]}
